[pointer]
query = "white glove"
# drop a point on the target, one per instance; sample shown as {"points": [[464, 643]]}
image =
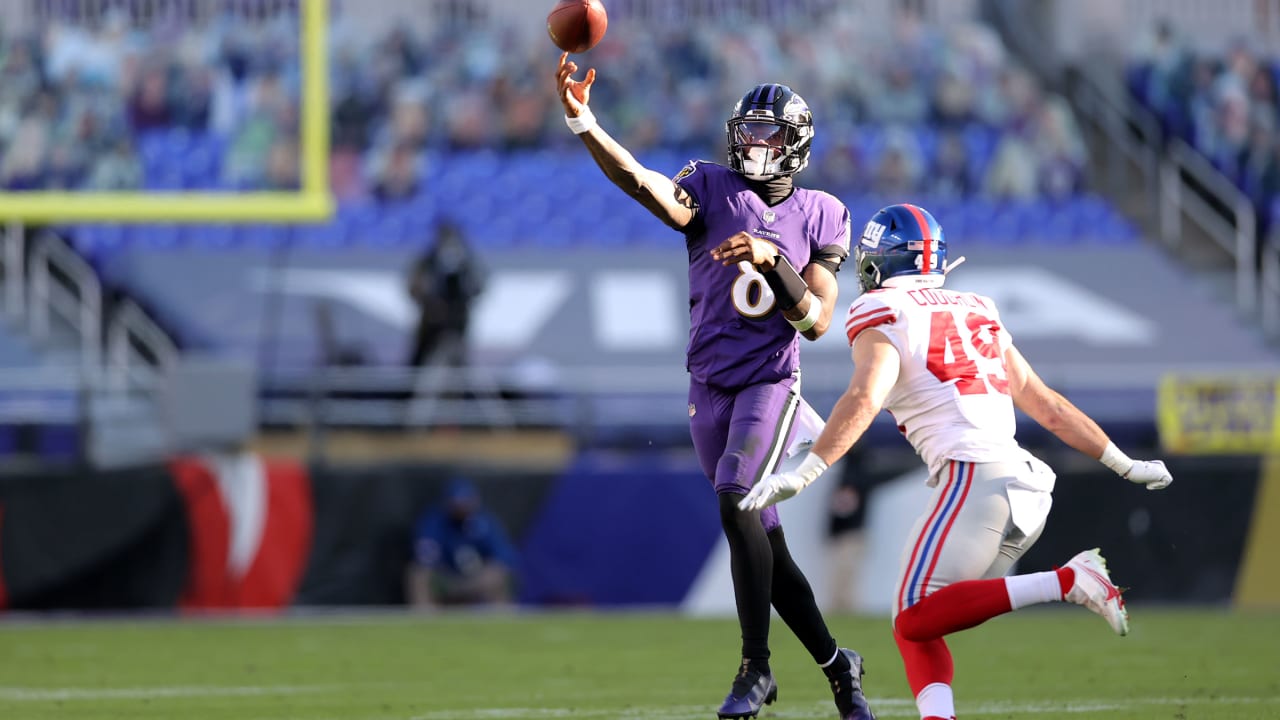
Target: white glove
{"points": [[1151, 473], [781, 486]]}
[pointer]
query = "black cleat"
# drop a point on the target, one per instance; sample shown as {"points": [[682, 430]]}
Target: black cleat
{"points": [[847, 690], [751, 691]]}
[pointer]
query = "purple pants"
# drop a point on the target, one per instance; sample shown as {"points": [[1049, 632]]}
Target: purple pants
{"points": [[741, 436]]}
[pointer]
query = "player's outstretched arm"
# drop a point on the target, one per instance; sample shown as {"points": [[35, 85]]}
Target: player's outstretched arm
{"points": [[655, 191], [1057, 415], [876, 363]]}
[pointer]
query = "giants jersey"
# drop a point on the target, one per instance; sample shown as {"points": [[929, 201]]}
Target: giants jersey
{"points": [[951, 400], [737, 336]]}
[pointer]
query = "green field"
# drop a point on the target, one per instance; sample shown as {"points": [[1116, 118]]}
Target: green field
{"points": [[1055, 663]]}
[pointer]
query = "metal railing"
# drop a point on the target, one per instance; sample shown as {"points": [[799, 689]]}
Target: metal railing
{"points": [[1270, 313], [13, 272], [397, 397], [1234, 233], [1134, 134], [1180, 186], [136, 347], [63, 285]]}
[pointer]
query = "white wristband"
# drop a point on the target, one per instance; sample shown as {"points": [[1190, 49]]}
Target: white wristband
{"points": [[582, 123], [811, 467], [810, 318], [1113, 458]]}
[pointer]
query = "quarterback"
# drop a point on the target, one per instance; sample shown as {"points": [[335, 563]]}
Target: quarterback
{"points": [[762, 261]]}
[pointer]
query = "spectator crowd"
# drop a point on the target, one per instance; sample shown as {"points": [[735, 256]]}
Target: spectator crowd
{"points": [[917, 108], [1221, 101]]}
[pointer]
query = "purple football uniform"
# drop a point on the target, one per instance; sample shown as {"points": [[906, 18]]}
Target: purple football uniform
{"points": [[743, 355]]}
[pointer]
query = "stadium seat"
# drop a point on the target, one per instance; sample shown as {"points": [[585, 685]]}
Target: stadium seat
{"points": [[156, 237], [329, 235], [262, 236], [215, 237], [93, 240]]}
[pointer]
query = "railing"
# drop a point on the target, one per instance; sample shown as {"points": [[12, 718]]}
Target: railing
{"points": [[62, 284], [1235, 234], [1271, 286], [13, 272], [1180, 186], [1136, 136], [136, 345], [467, 397]]}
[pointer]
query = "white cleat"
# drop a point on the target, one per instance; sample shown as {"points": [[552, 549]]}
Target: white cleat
{"points": [[1093, 589]]}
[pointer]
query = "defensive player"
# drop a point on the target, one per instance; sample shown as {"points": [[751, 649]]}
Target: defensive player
{"points": [[762, 261], [947, 370]]}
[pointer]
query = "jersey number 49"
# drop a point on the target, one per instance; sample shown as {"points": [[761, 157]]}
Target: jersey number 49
{"points": [[944, 335]]}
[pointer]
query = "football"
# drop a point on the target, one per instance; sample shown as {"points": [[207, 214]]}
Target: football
{"points": [[577, 25]]}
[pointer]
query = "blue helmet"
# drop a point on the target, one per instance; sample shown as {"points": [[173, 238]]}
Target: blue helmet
{"points": [[901, 246]]}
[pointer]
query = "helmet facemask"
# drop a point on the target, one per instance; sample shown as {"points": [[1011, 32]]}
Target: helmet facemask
{"points": [[769, 133], [762, 148]]}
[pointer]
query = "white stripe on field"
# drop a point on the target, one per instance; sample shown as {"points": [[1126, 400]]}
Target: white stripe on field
{"points": [[165, 691], [885, 708]]}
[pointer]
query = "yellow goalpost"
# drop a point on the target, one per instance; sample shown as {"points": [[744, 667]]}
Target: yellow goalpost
{"points": [[313, 202]]}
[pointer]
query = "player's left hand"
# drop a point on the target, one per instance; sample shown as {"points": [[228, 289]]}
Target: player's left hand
{"points": [[743, 246], [773, 489], [1151, 473]]}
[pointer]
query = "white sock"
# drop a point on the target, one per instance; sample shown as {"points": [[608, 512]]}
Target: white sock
{"points": [[1033, 588], [936, 700]]}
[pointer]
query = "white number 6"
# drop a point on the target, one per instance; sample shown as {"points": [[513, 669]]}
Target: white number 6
{"points": [[752, 296]]}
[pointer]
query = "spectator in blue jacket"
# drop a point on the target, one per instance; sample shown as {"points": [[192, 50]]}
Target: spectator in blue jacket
{"points": [[462, 555]]}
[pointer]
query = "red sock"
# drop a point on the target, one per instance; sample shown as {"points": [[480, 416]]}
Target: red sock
{"points": [[926, 662], [1066, 578], [953, 608]]}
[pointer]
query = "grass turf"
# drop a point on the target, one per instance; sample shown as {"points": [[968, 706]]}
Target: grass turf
{"points": [[1041, 664]]}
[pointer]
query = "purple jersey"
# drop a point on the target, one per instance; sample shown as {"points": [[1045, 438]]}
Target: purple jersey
{"points": [[737, 336]]}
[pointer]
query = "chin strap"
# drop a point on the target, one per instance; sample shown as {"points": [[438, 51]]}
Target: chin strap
{"points": [[953, 265]]}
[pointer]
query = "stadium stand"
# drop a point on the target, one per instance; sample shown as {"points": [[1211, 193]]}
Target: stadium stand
{"points": [[420, 125], [425, 127], [1222, 101]]}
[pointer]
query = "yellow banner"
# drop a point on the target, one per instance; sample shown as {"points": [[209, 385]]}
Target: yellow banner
{"points": [[1207, 415]]}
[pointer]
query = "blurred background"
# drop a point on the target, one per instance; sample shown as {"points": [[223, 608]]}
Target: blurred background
{"points": [[314, 303]]}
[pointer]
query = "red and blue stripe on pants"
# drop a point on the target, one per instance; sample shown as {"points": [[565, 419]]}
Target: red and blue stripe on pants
{"points": [[933, 536]]}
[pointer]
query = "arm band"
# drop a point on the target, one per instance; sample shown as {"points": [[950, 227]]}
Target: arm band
{"points": [[1113, 458], [787, 285], [831, 257], [810, 318], [582, 123]]}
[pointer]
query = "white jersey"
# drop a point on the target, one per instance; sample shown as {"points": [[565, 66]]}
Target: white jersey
{"points": [[951, 400]]}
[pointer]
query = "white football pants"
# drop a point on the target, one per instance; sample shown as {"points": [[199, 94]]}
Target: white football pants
{"points": [[981, 519]]}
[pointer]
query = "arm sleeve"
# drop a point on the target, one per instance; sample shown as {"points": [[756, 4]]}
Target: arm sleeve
{"points": [[869, 311]]}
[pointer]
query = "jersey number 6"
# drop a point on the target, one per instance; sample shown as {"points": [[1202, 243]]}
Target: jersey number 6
{"points": [[963, 367], [752, 296]]}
